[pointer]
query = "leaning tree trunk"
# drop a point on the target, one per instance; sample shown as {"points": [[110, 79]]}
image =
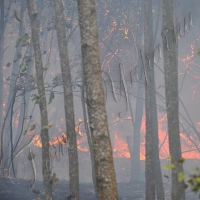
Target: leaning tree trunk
{"points": [[42, 101], [170, 52], [68, 101], [153, 170], [103, 157]]}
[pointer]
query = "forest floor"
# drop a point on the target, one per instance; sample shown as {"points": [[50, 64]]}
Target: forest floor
{"points": [[20, 191]]}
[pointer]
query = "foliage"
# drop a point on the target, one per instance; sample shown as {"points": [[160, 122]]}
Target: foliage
{"points": [[26, 128], [23, 69], [198, 51], [169, 166], [34, 14], [192, 181], [37, 98], [16, 16], [54, 179], [24, 39], [51, 97], [29, 128], [57, 80], [31, 156], [32, 127], [46, 66], [47, 127]]}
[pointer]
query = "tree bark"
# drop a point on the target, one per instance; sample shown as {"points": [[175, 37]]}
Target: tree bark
{"points": [[103, 157], [1, 57], [42, 102], [68, 101], [135, 155], [87, 129], [153, 170], [1, 63], [170, 52]]}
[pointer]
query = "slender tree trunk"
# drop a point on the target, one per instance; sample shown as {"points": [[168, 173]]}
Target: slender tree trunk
{"points": [[1, 62], [103, 157], [18, 140], [153, 170], [25, 100], [170, 53], [135, 156], [42, 102], [68, 101], [1, 57]]}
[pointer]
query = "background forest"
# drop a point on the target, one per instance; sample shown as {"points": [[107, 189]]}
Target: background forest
{"points": [[101, 97]]}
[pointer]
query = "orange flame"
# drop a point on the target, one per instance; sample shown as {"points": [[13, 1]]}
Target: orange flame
{"points": [[120, 146], [120, 149]]}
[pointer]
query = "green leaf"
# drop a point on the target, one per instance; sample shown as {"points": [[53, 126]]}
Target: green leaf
{"points": [[181, 160], [191, 181], [51, 97], [23, 69], [196, 169], [31, 156], [16, 16], [34, 15], [185, 186], [26, 128], [197, 179], [47, 127], [198, 51], [38, 98], [32, 127], [46, 66], [25, 37], [18, 41], [169, 166], [181, 176], [54, 179], [169, 157]]}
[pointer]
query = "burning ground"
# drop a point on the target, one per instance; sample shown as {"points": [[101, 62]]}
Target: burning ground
{"points": [[12, 188]]}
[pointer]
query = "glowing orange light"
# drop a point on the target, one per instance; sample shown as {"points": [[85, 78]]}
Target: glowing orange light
{"points": [[126, 33], [120, 149]]}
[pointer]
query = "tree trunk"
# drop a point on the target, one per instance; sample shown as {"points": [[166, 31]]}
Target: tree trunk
{"points": [[103, 157], [18, 140], [1, 58], [87, 129], [68, 101], [170, 52], [153, 170], [139, 108], [42, 102], [135, 156], [1, 62]]}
